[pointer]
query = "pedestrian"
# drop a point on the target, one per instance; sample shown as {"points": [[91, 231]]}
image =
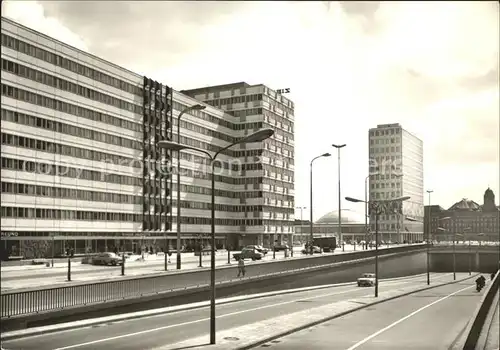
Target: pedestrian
{"points": [[241, 267]]}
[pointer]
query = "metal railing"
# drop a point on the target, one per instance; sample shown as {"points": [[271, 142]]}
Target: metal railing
{"points": [[57, 298], [477, 322]]}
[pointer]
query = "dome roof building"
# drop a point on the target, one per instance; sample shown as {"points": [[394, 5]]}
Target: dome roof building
{"points": [[465, 205], [348, 217]]}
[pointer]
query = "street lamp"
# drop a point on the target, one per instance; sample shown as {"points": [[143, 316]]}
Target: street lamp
{"points": [[366, 211], [301, 222], [257, 136], [311, 236], [378, 206], [428, 236], [398, 216], [196, 107], [338, 147]]}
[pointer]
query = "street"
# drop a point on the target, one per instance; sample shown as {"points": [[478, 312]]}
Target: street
{"points": [[431, 319], [156, 331], [35, 276]]}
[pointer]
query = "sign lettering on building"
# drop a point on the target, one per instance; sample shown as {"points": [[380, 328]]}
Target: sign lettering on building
{"points": [[283, 91]]}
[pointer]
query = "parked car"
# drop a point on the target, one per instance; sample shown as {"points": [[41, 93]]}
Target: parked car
{"points": [[366, 280], [258, 248], [248, 254], [279, 247], [107, 259], [316, 250]]}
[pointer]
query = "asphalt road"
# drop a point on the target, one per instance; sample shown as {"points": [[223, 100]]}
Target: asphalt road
{"points": [[152, 332], [428, 320]]}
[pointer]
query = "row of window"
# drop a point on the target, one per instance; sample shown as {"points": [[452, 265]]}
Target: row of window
{"points": [[68, 86], [213, 148], [77, 152], [243, 113], [91, 175], [276, 170], [385, 149], [75, 67], [287, 110], [69, 193], [75, 173], [282, 223], [57, 214], [186, 220], [223, 179], [383, 132], [220, 207], [218, 193], [200, 114], [275, 144], [37, 122], [60, 106]]}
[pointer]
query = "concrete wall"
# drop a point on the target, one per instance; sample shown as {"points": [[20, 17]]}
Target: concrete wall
{"points": [[482, 262]]}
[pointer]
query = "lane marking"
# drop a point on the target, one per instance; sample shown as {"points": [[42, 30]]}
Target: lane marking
{"points": [[361, 342], [206, 319]]}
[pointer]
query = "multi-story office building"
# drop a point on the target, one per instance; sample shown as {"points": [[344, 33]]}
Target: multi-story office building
{"points": [[254, 107], [80, 167], [396, 169]]}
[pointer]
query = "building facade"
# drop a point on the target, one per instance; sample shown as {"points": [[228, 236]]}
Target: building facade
{"points": [[465, 219], [395, 170], [80, 166], [255, 107]]}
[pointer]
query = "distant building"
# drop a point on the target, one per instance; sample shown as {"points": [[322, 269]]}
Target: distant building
{"points": [[465, 218], [396, 169], [353, 227]]}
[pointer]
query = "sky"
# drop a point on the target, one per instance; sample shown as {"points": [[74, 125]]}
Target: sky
{"points": [[433, 67]]}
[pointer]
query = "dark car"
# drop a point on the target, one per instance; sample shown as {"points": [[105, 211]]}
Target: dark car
{"points": [[258, 248], [248, 254], [279, 247], [107, 259]]}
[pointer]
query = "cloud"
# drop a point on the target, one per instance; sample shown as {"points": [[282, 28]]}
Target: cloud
{"points": [[431, 66], [32, 14]]}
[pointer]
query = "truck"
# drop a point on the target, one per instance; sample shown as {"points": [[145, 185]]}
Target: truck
{"points": [[327, 244]]}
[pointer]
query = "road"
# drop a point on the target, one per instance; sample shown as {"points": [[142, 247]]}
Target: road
{"points": [[152, 332], [432, 319], [34, 276]]}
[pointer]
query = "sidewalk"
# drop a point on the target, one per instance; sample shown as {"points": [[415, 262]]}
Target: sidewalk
{"points": [[258, 332]]}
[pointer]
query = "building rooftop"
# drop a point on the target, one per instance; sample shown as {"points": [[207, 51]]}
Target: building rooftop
{"points": [[465, 205], [222, 87], [348, 217]]}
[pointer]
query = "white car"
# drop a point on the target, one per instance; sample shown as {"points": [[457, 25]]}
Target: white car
{"points": [[367, 280]]}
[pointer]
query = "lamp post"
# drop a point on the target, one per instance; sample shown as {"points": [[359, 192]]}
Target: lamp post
{"points": [[428, 237], [467, 229], [378, 206], [311, 235], [366, 210], [257, 136], [196, 107], [398, 215], [338, 147], [301, 222]]}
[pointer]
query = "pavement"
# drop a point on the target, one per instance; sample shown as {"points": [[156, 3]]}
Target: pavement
{"points": [[240, 321], [17, 277]]}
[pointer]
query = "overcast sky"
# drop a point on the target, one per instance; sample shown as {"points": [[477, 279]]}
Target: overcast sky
{"points": [[431, 66]]}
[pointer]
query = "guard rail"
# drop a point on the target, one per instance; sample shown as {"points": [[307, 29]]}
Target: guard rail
{"points": [[46, 299]]}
